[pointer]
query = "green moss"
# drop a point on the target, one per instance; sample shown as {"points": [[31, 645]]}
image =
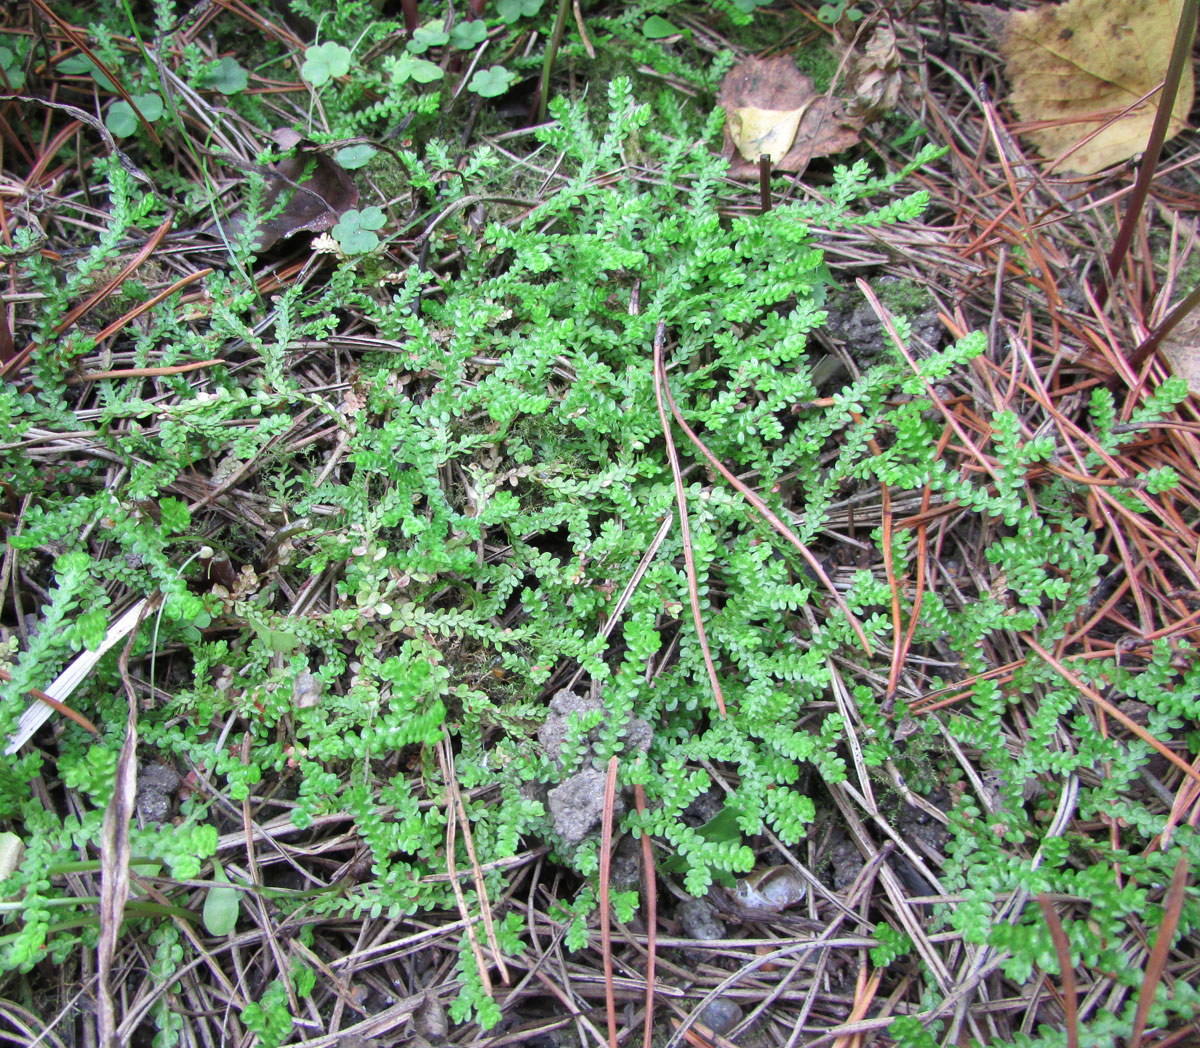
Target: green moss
{"points": [[817, 60], [904, 297]]}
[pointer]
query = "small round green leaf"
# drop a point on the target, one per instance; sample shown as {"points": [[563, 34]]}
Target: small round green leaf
{"points": [[511, 10], [491, 82], [426, 36], [222, 904], [371, 218], [78, 65], [656, 28], [228, 77], [324, 62], [93, 627], [354, 157], [467, 35], [175, 515], [75, 65], [121, 119], [417, 69], [150, 106], [11, 65]]}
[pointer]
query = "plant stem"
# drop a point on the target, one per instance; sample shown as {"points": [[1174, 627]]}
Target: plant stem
{"points": [[548, 62], [1172, 319], [1181, 53]]}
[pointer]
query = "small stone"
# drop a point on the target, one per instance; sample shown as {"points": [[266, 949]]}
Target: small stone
{"points": [[699, 920]]}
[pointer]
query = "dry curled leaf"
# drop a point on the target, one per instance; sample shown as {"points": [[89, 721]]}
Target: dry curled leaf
{"points": [[771, 107], [317, 200], [1078, 66], [873, 78]]}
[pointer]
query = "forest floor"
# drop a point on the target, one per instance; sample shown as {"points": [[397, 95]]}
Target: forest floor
{"points": [[510, 571]]}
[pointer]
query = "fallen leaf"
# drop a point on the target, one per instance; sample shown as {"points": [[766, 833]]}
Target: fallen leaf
{"points": [[1077, 66], [1181, 348], [873, 78], [758, 131], [317, 200], [761, 99]]}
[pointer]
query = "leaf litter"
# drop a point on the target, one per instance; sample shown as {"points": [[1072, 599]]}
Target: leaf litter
{"points": [[1084, 76]]}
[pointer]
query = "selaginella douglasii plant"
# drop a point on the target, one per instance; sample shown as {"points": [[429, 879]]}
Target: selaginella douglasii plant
{"points": [[334, 632]]}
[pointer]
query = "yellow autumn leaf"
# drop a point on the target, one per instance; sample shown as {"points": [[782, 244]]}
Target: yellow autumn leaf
{"points": [[1078, 66], [770, 131]]}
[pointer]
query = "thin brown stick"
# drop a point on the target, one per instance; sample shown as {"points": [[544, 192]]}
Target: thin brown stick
{"points": [[639, 801], [1062, 948], [689, 560], [1156, 963], [606, 843]]}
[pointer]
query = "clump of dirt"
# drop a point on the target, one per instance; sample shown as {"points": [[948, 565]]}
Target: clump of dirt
{"points": [[156, 786], [576, 805]]}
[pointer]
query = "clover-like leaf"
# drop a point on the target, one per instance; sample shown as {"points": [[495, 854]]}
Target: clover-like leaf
{"points": [[656, 28], [11, 65], [426, 36], [78, 65], [408, 67], [511, 10], [325, 61], [228, 77], [355, 231], [466, 35], [354, 157], [491, 82], [122, 121]]}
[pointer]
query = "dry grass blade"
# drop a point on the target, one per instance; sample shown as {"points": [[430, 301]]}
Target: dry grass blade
{"points": [[1062, 948], [661, 390], [114, 861], [1157, 962], [606, 847], [70, 678]]}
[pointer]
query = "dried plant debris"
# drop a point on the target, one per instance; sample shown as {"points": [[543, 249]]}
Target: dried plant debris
{"points": [[318, 191], [773, 108], [1182, 351], [872, 85], [1088, 70]]}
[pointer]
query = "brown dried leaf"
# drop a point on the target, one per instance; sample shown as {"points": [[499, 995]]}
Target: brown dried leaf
{"points": [[775, 87], [316, 202], [1182, 350], [873, 78], [1080, 64]]}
